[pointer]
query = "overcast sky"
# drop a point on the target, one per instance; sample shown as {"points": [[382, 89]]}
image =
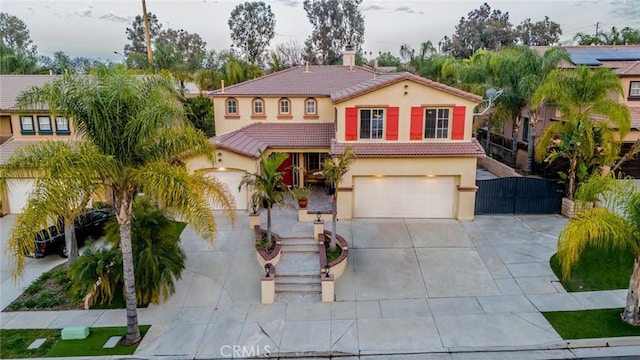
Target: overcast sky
{"points": [[97, 28]]}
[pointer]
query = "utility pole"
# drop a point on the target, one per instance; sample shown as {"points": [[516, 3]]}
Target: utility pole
{"points": [[147, 33], [597, 25]]}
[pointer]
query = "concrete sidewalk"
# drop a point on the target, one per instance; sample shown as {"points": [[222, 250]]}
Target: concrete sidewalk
{"points": [[438, 288]]}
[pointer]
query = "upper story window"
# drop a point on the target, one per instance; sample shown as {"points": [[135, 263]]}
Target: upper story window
{"points": [[232, 106], [371, 123], [310, 107], [284, 106], [62, 125], [44, 125], [436, 123], [26, 125], [258, 107], [634, 90]]}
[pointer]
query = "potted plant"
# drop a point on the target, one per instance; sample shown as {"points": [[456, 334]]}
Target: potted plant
{"points": [[301, 193]]}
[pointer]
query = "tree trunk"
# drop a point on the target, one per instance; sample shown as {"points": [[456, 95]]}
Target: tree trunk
{"points": [[514, 142], [123, 214], [334, 219], [70, 240], [630, 312], [530, 150], [269, 226], [573, 167]]}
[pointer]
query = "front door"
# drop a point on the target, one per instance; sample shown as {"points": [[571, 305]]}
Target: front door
{"points": [[285, 168]]}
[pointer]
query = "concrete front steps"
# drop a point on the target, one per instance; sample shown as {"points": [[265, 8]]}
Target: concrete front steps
{"points": [[298, 272]]}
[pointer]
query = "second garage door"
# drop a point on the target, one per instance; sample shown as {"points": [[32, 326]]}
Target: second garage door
{"points": [[231, 179], [18, 193], [410, 197]]}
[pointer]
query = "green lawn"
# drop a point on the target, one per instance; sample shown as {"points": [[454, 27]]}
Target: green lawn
{"points": [[14, 343], [597, 270], [587, 324]]}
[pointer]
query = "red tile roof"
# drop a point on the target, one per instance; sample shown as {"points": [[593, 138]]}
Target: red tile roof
{"points": [[317, 81], [260, 136], [412, 149], [336, 81], [632, 69]]}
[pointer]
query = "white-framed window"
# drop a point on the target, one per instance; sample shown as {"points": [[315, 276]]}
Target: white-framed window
{"points": [[436, 123], [44, 125], [634, 89], [284, 106], [310, 107], [62, 125], [232, 106], [258, 107], [371, 123], [26, 125]]}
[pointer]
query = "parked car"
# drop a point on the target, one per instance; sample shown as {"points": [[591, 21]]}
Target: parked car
{"points": [[88, 223]]}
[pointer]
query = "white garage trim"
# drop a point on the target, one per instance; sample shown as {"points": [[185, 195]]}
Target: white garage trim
{"points": [[18, 191], [231, 179], [404, 196]]}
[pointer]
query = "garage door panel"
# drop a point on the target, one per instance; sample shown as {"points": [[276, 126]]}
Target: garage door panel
{"points": [[18, 193], [231, 180], [394, 197]]}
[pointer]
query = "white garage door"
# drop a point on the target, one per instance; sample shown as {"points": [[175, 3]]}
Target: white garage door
{"points": [[17, 193], [231, 179], [411, 197]]}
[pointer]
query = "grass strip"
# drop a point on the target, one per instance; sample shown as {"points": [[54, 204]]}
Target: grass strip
{"points": [[589, 324]]}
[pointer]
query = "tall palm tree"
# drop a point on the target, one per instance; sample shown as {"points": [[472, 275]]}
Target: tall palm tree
{"points": [[583, 98], [137, 126], [334, 170], [267, 184], [617, 226]]}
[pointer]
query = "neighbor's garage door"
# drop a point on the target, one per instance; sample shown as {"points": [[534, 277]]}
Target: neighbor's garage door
{"points": [[17, 193], [231, 179], [410, 197]]}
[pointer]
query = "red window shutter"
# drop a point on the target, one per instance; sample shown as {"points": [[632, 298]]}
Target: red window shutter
{"points": [[351, 124], [392, 123], [457, 130], [417, 123]]}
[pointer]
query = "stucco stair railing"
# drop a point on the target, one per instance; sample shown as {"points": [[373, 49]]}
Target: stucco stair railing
{"points": [[298, 279]]}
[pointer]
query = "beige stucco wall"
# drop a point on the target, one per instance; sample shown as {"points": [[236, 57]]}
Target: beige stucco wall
{"points": [[225, 124], [225, 160], [463, 169], [15, 125], [416, 95]]}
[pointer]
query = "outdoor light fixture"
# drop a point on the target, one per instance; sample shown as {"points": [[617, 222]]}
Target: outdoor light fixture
{"points": [[326, 270], [318, 215], [267, 269]]}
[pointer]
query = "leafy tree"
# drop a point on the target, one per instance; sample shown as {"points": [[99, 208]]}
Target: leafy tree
{"points": [[252, 27], [189, 47], [626, 36], [199, 111], [541, 33], [138, 127], [267, 184], [582, 95], [228, 67], [61, 63], [483, 28], [616, 226], [12, 62], [334, 170], [335, 23], [97, 263], [159, 260], [136, 34], [15, 35], [290, 53], [388, 59]]}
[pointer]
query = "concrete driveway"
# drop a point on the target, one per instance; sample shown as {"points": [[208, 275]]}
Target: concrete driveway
{"points": [[412, 286]]}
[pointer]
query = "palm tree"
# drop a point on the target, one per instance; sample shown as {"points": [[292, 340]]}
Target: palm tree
{"points": [[268, 185], [137, 126], [582, 96], [334, 169], [616, 226]]}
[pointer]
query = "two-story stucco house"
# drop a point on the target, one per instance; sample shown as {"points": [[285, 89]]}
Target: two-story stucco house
{"points": [[412, 137]]}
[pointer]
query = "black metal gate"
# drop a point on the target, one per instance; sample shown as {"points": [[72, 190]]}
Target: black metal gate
{"points": [[518, 195]]}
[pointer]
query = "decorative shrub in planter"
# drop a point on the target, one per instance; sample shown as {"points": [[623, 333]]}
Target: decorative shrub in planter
{"points": [[302, 195], [337, 260], [264, 253]]}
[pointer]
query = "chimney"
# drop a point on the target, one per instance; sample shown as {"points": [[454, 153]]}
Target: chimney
{"points": [[222, 86], [306, 67], [375, 64], [348, 56]]}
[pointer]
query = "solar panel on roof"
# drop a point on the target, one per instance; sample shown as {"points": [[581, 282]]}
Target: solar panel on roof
{"points": [[593, 56]]}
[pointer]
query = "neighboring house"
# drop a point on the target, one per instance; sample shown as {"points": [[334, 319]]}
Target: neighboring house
{"points": [[412, 138], [20, 128], [625, 61]]}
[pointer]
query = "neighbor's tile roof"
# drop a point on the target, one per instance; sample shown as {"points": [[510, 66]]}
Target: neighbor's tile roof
{"points": [[318, 81], [632, 69], [12, 85], [412, 149], [259, 136], [10, 146]]}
